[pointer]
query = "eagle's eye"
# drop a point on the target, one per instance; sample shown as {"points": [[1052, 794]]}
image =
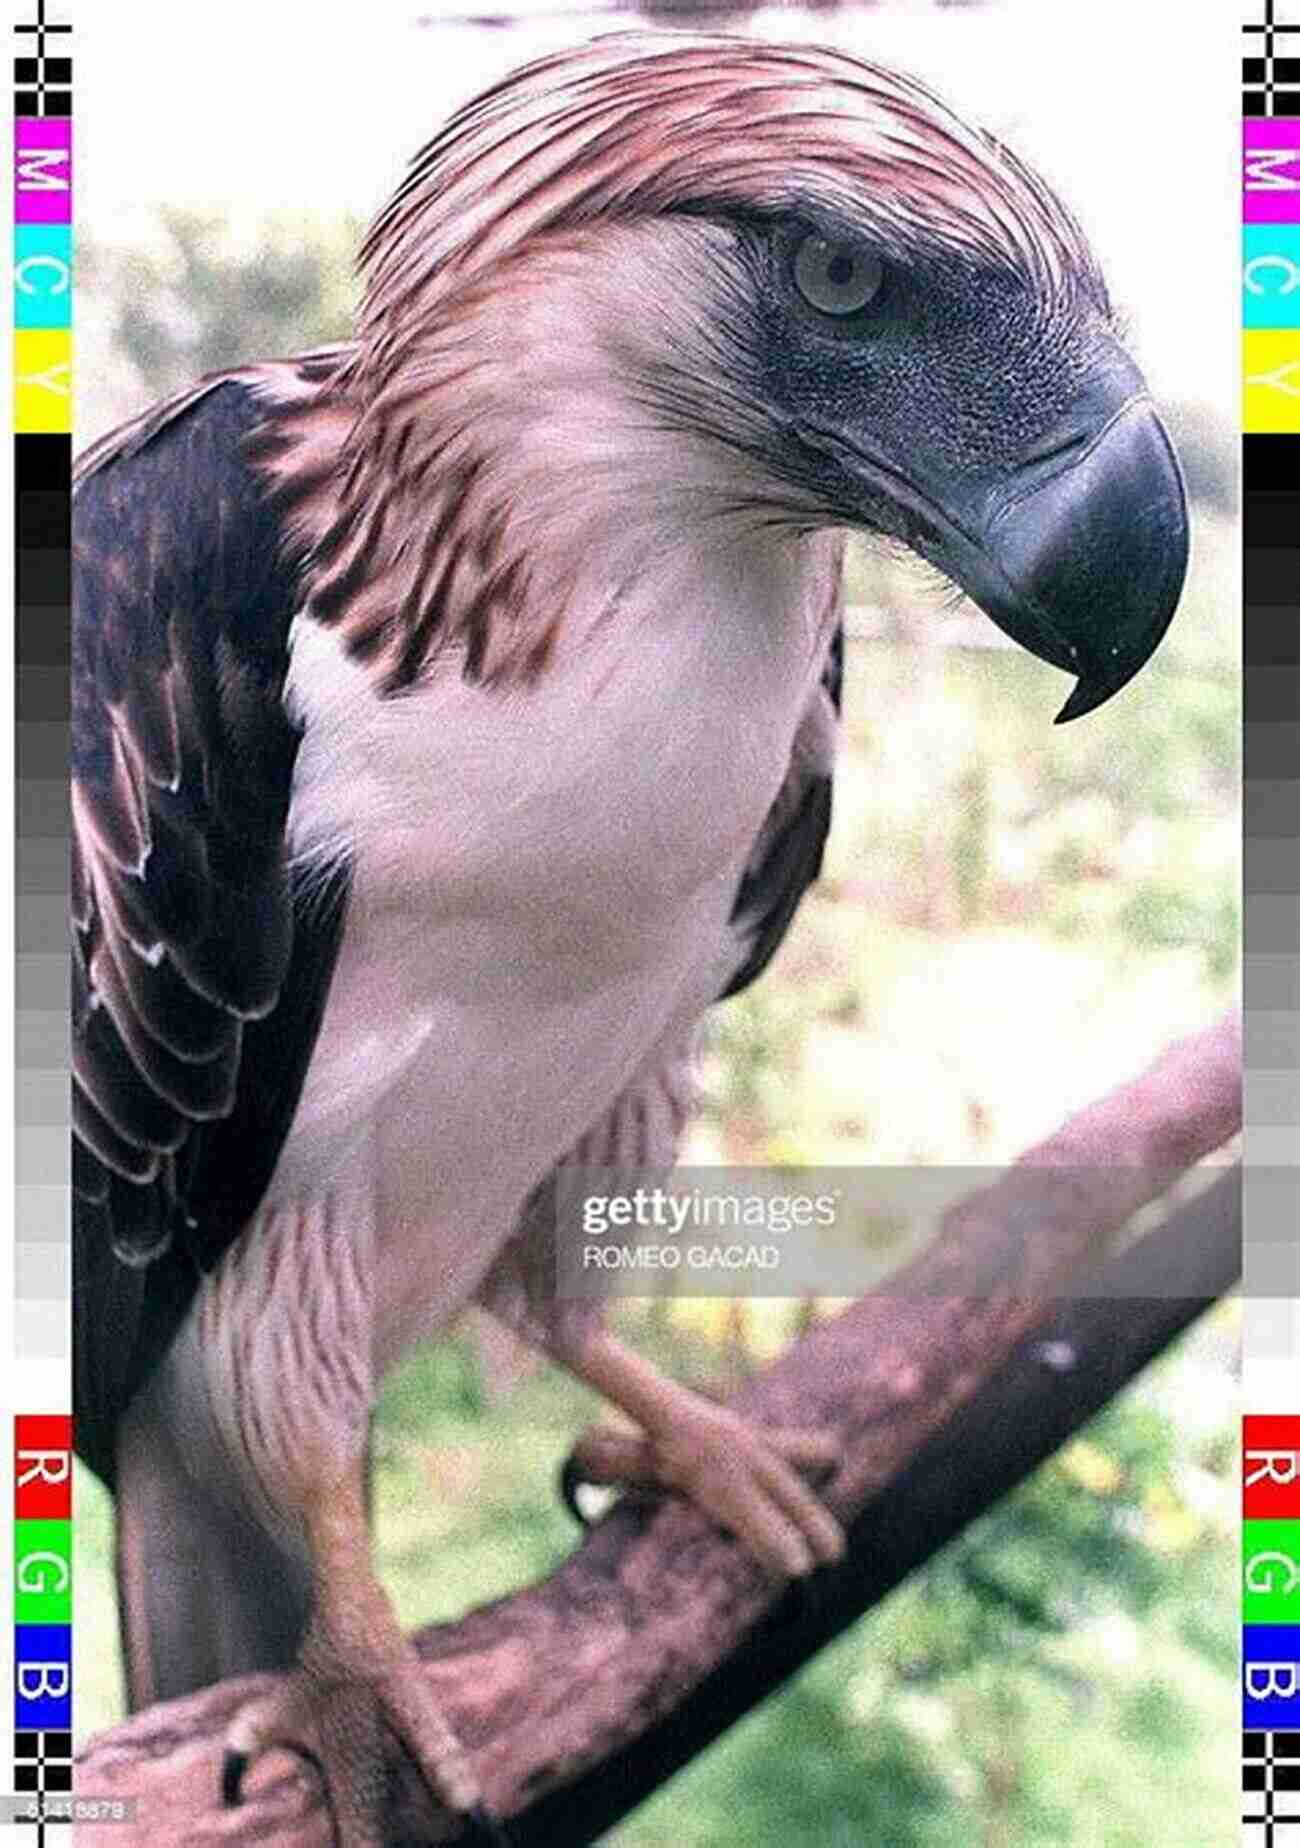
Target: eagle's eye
{"points": [[837, 278]]}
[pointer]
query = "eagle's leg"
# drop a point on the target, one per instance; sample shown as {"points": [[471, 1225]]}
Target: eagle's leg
{"points": [[357, 1674], [269, 1388], [743, 1476], [205, 1592]]}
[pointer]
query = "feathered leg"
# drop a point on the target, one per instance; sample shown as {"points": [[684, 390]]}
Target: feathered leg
{"points": [[267, 1390], [204, 1592]]}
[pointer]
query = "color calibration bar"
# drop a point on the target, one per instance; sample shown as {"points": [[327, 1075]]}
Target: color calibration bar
{"points": [[42, 1774], [1271, 797], [1270, 1559], [42, 357], [37, 1793], [1271, 867]]}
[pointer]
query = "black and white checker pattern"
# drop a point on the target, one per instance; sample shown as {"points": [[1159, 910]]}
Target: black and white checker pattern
{"points": [[42, 1762], [43, 69], [1270, 1789], [43, 1780], [1270, 61]]}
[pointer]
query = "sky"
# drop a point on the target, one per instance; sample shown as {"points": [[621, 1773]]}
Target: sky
{"points": [[1129, 108]]}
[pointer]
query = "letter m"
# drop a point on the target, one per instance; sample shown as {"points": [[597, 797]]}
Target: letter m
{"points": [[32, 170], [1261, 170]]}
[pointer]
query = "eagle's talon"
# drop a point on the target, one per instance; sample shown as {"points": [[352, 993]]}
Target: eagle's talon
{"points": [[751, 1480], [331, 1713], [571, 1480], [575, 1476], [233, 1766]]}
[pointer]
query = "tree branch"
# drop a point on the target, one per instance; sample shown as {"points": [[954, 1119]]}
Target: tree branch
{"points": [[579, 1695]]}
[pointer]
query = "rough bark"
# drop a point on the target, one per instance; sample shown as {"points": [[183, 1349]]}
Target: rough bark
{"points": [[578, 1695]]}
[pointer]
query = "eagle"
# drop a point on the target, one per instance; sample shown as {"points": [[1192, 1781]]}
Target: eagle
{"points": [[454, 716]]}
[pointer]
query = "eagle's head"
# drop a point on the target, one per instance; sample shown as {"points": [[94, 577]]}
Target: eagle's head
{"points": [[696, 278]]}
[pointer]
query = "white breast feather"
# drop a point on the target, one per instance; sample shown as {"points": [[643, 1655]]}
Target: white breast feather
{"points": [[541, 883]]}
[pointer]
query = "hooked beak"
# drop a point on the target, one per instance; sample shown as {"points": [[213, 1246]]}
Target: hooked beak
{"points": [[1093, 556], [1079, 553], [1080, 557]]}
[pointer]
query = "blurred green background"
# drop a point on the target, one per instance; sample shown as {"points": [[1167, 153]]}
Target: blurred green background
{"points": [[1013, 919]]}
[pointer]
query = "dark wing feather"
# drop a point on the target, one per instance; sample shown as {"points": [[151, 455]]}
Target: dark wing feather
{"points": [[788, 853], [198, 981]]}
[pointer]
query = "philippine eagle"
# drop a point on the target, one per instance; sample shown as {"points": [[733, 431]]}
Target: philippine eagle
{"points": [[454, 713]]}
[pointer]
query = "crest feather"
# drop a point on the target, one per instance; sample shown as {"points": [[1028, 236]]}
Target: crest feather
{"points": [[639, 123]]}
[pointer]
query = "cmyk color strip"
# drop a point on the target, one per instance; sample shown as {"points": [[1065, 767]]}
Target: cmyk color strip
{"points": [[1271, 661], [41, 1362], [43, 488], [1270, 275]]}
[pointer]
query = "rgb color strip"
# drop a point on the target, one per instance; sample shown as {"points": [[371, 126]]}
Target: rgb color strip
{"points": [[1271, 868], [42, 412], [42, 1616], [1270, 1560]]}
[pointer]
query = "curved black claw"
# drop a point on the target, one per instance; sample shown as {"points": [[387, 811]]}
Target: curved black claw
{"points": [[233, 1767], [235, 1764], [484, 1830], [571, 1480]]}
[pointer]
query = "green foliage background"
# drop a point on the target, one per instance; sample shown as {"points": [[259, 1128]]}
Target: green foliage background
{"points": [[1013, 918]]}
